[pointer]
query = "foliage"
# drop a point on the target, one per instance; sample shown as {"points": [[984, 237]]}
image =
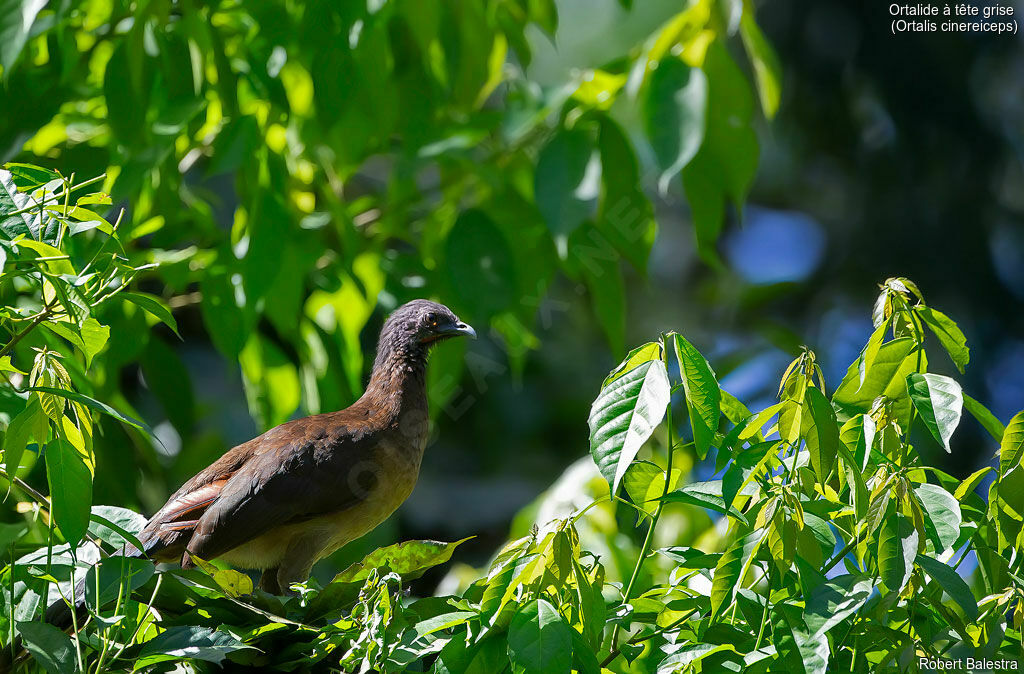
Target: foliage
{"points": [[819, 545]]}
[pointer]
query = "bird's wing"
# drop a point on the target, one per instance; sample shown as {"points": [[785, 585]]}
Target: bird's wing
{"points": [[302, 470]]}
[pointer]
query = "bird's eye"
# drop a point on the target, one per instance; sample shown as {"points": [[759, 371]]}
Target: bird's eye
{"points": [[432, 318]]}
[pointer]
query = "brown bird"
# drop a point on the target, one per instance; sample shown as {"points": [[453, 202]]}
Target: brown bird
{"points": [[300, 491]]}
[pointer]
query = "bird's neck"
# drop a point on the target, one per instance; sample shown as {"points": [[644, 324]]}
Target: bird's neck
{"points": [[397, 386]]}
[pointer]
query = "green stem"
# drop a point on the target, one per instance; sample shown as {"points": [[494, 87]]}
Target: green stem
{"points": [[21, 335], [649, 539], [639, 640], [55, 197]]}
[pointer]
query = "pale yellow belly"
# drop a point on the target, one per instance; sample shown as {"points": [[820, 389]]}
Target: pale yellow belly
{"points": [[330, 532]]}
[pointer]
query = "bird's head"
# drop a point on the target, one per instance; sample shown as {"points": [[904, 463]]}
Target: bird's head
{"points": [[416, 325]]}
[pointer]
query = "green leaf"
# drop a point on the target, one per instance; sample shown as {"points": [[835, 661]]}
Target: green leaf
{"points": [[27, 224], [635, 358], [682, 659], [16, 19], [897, 548], [567, 183], [731, 568], [709, 495], [939, 401], [951, 583], [703, 396], [625, 415], [949, 335], [988, 420], [19, 431], [94, 404], [154, 306], [677, 99], [834, 601], [625, 215], [942, 511], [722, 170], [886, 376], [116, 526], [70, 489], [1011, 449], [51, 648], [181, 642], [644, 482], [113, 575], [823, 437], [94, 338], [29, 176], [126, 92], [539, 639], [408, 559], [480, 265], [744, 468], [767, 71]]}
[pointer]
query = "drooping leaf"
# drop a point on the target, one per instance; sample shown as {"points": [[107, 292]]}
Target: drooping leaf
{"points": [[50, 647], [181, 642], [834, 601], [949, 335], [408, 559], [939, 401], [731, 568], [625, 415], [567, 182], [1011, 449], [723, 168], [682, 659], [677, 99], [703, 396], [154, 306], [767, 70], [20, 431], [988, 420], [897, 549], [942, 511], [539, 639], [951, 583], [70, 483], [823, 438]]}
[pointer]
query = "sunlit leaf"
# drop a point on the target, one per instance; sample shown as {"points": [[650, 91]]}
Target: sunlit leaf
{"points": [[943, 514], [948, 334], [1011, 449], [939, 401], [823, 437], [703, 396], [625, 415], [677, 99], [408, 559], [951, 583], [154, 306], [539, 640], [731, 568]]}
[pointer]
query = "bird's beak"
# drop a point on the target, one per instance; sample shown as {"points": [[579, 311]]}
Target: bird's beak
{"points": [[458, 328]]}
